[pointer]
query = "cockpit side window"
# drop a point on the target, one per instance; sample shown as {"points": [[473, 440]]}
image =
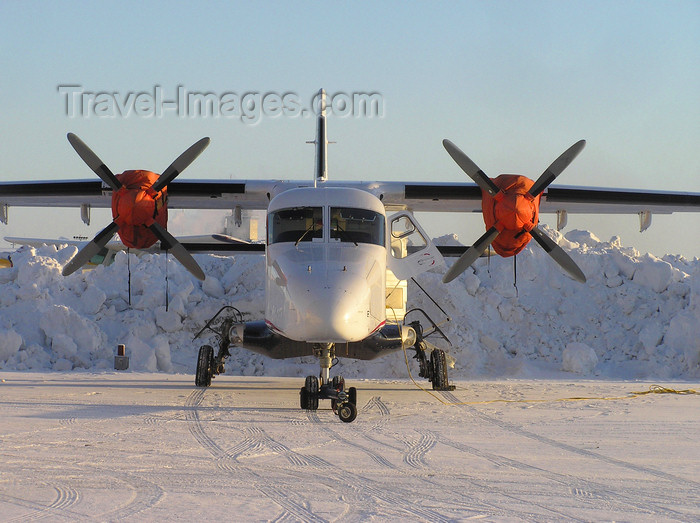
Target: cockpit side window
{"points": [[299, 224], [357, 225]]}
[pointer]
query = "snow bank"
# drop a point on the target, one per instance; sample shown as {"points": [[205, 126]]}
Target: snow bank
{"points": [[637, 316], [579, 358]]}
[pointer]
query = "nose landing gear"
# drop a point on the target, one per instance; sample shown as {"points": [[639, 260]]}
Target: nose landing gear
{"points": [[343, 402]]}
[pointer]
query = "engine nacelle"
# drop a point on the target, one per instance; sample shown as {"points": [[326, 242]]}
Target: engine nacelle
{"points": [[136, 205], [513, 211]]}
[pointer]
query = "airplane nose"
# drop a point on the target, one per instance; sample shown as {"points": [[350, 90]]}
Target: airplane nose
{"points": [[341, 312], [334, 313]]}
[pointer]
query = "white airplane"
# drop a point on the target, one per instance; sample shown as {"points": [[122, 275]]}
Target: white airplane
{"points": [[336, 263]]}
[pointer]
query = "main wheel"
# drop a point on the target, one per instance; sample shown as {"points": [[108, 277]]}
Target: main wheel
{"points": [[311, 387], [347, 412], [352, 395], [205, 362], [438, 365]]}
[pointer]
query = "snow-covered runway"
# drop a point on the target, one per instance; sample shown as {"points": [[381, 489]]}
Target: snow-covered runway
{"points": [[109, 446]]}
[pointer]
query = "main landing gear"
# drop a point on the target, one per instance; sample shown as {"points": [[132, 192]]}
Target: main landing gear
{"points": [[343, 402], [209, 365], [432, 364]]}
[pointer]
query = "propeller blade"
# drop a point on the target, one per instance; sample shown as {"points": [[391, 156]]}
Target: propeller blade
{"points": [[168, 242], [91, 249], [559, 254], [470, 255], [94, 162], [558, 165], [180, 164], [471, 168]]}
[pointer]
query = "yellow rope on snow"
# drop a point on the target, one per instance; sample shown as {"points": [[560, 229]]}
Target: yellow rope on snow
{"points": [[658, 389]]}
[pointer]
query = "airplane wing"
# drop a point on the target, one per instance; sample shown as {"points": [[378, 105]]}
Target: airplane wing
{"points": [[466, 197], [58, 242], [192, 194], [430, 197], [203, 243]]}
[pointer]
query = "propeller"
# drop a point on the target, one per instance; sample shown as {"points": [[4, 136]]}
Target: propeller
{"points": [[471, 168], [169, 242], [558, 165], [94, 162], [558, 254], [91, 249], [470, 255], [180, 164], [510, 207], [137, 207]]}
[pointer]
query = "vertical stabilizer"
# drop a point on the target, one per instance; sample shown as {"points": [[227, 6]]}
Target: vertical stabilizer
{"points": [[321, 141]]}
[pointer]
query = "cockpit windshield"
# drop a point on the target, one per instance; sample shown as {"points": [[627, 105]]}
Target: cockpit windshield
{"points": [[300, 224], [347, 224], [357, 225]]}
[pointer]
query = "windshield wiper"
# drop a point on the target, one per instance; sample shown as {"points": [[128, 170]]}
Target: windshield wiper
{"points": [[345, 234], [307, 231]]}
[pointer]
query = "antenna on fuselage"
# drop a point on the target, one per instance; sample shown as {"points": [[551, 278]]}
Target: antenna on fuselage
{"points": [[321, 141]]}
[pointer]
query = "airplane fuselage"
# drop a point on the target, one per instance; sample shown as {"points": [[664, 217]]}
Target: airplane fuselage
{"points": [[326, 265]]}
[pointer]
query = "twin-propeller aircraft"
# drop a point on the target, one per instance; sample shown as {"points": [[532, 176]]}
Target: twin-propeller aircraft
{"points": [[336, 262]]}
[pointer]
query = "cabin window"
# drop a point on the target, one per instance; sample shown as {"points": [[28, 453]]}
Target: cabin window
{"points": [[299, 224], [405, 238], [357, 226]]}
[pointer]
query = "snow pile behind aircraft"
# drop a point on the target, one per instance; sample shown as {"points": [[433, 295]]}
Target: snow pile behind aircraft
{"points": [[637, 316]]}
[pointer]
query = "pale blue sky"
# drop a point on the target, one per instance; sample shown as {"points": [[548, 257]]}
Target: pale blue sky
{"points": [[511, 83]]}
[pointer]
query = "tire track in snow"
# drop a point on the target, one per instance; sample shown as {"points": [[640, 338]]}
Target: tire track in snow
{"points": [[477, 508], [592, 489], [375, 456], [66, 497], [362, 485], [520, 431], [146, 495], [228, 462], [415, 455], [364, 497], [376, 402]]}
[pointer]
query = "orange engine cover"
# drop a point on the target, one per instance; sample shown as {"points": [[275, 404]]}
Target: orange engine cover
{"points": [[513, 212], [135, 206]]}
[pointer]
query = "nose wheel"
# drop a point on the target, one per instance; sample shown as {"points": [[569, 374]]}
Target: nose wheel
{"points": [[343, 402], [347, 412]]}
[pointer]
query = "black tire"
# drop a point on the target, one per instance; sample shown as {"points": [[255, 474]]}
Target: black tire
{"points": [[347, 412], [338, 383], [311, 387], [438, 365], [205, 362], [303, 398], [352, 395]]}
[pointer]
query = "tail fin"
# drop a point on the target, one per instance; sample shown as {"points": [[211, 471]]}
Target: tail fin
{"points": [[321, 141]]}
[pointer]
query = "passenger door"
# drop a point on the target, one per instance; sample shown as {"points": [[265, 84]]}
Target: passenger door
{"points": [[410, 251]]}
